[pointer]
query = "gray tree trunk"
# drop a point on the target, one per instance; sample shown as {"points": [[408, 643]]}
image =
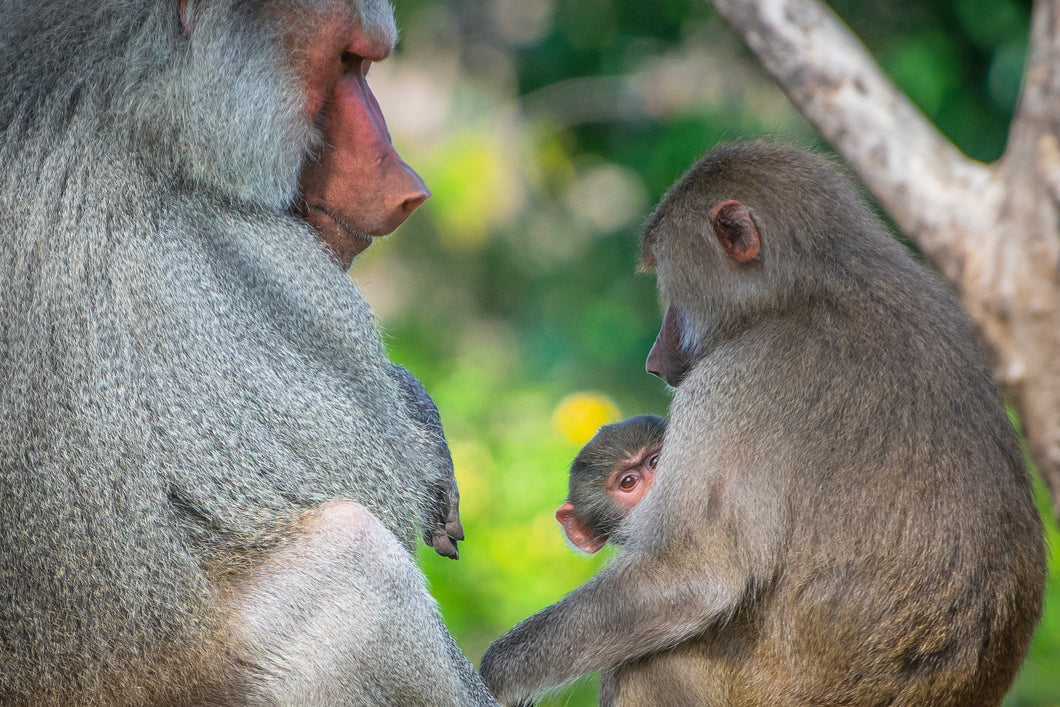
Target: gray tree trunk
{"points": [[992, 231]]}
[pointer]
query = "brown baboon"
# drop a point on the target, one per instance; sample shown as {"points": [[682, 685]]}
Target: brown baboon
{"points": [[841, 513]]}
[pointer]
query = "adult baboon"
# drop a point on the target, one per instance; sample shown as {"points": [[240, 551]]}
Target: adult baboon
{"points": [[210, 474]]}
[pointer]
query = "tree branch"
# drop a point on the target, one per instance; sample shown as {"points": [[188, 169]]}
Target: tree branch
{"points": [[917, 175], [992, 231]]}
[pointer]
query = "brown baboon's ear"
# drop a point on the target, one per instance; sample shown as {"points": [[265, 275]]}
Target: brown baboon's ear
{"points": [[736, 230]]}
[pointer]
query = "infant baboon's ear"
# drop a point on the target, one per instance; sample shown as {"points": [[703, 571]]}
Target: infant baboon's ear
{"points": [[580, 535]]}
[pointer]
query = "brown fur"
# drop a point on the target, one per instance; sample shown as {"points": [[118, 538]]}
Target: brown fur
{"points": [[841, 514]]}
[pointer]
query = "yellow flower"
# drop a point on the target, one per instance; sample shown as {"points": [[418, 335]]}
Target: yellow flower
{"points": [[578, 416]]}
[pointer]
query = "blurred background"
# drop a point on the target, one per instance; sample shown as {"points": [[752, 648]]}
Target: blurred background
{"points": [[547, 129]]}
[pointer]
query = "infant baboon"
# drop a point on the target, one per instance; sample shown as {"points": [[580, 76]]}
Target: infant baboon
{"points": [[608, 478]]}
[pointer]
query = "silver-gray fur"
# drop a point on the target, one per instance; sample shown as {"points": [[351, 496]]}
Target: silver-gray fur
{"points": [[185, 375]]}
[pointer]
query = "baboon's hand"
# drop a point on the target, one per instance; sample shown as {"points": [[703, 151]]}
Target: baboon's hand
{"points": [[441, 526]]}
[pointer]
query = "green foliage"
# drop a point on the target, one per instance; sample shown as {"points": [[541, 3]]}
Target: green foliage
{"points": [[553, 127], [960, 62]]}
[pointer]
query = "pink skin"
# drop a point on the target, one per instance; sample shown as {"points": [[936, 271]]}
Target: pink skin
{"points": [[626, 485], [358, 188]]}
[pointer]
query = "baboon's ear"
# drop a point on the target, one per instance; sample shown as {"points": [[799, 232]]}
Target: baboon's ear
{"points": [[736, 230], [579, 535]]}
